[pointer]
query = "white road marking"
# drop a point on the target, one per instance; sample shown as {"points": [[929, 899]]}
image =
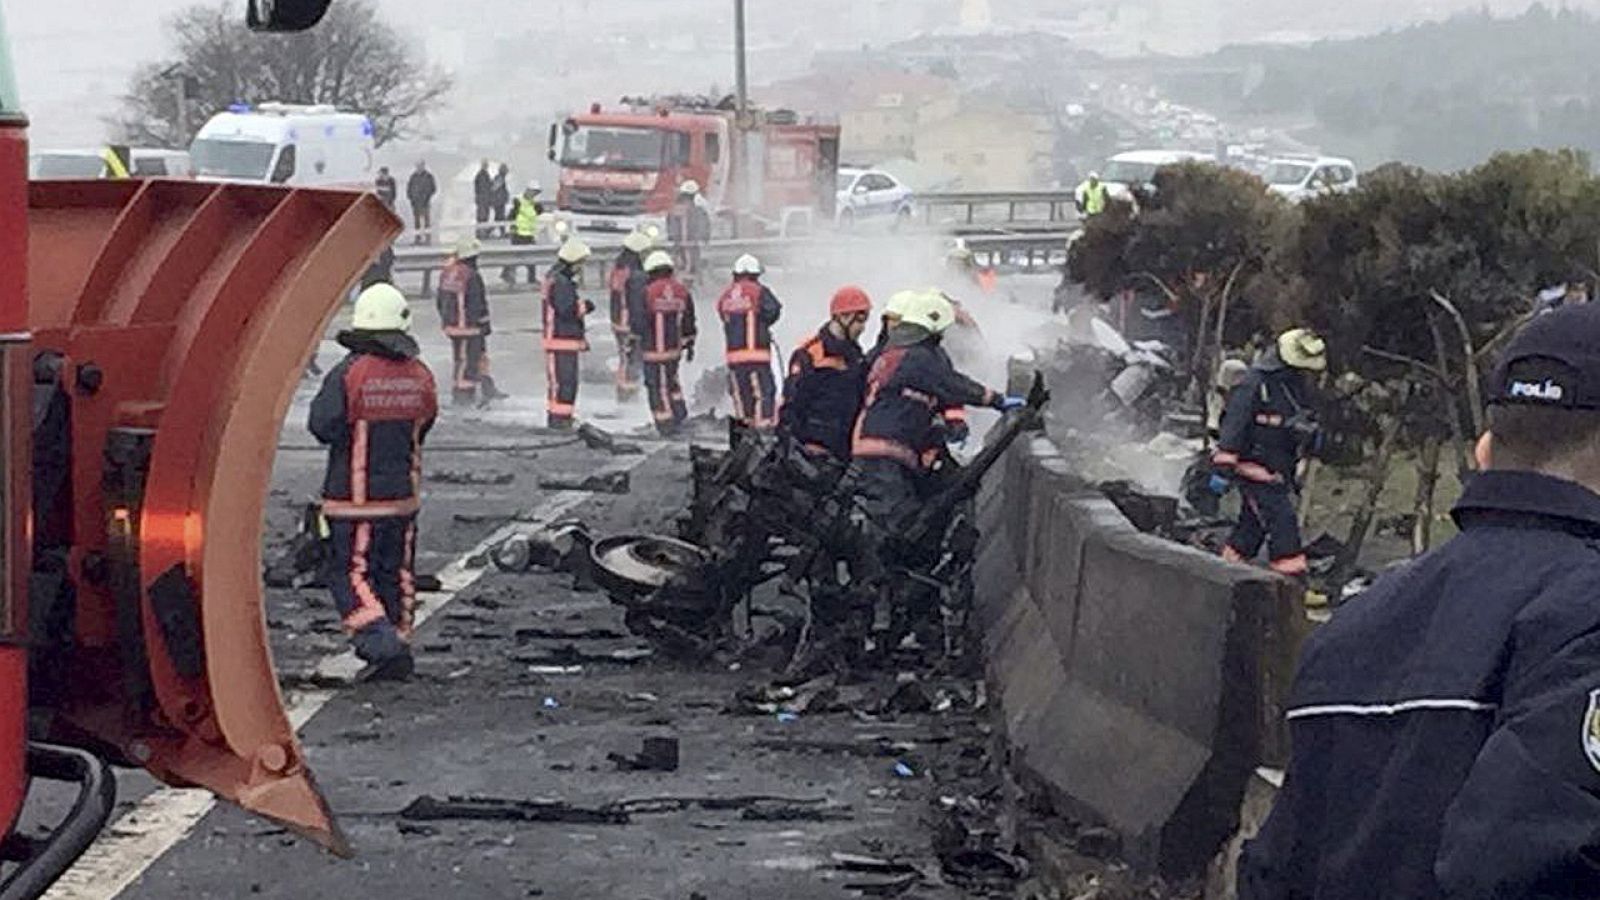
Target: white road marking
{"points": [[165, 817]]}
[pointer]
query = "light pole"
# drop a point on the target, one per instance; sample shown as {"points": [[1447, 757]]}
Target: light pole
{"points": [[741, 122]]}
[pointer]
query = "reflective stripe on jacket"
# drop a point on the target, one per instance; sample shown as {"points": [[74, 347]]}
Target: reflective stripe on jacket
{"points": [[373, 412], [748, 312]]}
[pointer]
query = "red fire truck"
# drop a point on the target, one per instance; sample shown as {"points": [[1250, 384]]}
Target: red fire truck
{"points": [[622, 166]]}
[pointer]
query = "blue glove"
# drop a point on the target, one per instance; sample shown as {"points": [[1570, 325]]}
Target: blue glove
{"points": [[1007, 404], [1219, 484]]}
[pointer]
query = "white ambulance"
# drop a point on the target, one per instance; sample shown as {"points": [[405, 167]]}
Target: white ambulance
{"points": [[283, 143]]}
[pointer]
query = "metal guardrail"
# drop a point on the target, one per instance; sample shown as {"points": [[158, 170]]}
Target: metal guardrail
{"points": [[1059, 206], [1020, 251]]}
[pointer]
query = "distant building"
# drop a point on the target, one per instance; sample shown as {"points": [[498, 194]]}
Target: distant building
{"points": [[987, 150], [881, 112]]}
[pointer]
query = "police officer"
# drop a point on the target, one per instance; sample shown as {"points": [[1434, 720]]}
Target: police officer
{"points": [[1446, 723], [564, 333], [525, 213], [1091, 196], [748, 311], [909, 386], [627, 274], [374, 412], [664, 329], [826, 378], [1268, 426], [463, 303]]}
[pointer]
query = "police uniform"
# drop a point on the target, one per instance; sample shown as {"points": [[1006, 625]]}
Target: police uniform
{"points": [[748, 311], [464, 316], [1446, 723], [564, 338], [663, 322], [627, 276], [1265, 429], [822, 393], [373, 411], [525, 214]]}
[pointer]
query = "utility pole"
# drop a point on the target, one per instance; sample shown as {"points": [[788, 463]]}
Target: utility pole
{"points": [[741, 123], [180, 88]]}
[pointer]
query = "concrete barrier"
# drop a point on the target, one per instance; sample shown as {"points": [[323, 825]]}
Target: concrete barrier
{"points": [[1140, 681]]}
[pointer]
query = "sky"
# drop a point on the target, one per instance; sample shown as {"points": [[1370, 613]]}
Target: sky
{"points": [[74, 57]]}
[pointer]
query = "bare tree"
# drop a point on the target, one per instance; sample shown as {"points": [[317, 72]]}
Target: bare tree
{"points": [[353, 60]]}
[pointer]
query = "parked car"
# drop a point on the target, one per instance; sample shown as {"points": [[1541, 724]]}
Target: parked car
{"points": [[867, 194], [143, 162], [1298, 178]]}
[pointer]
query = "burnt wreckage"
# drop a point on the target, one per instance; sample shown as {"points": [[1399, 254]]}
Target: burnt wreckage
{"points": [[764, 512]]}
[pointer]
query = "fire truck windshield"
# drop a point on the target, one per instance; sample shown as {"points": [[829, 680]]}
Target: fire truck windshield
{"points": [[9, 102], [593, 147]]}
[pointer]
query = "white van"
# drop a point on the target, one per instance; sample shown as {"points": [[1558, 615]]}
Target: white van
{"points": [[282, 143], [1137, 168], [1298, 178]]}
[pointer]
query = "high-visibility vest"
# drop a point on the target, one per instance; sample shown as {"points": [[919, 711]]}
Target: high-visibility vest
{"points": [[1094, 198], [527, 221]]}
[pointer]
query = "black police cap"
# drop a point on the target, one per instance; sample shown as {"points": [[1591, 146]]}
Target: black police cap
{"points": [[1553, 361]]}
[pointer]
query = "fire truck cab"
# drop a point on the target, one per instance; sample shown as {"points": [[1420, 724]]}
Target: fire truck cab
{"points": [[622, 167]]}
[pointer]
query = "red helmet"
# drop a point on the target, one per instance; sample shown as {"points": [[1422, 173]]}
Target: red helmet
{"points": [[848, 300]]}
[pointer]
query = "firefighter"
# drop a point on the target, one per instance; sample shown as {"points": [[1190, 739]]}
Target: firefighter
{"points": [[564, 335], [525, 213], [1445, 725], [748, 311], [1268, 427], [689, 227], [910, 385], [662, 315], [826, 378], [464, 315], [628, 274], [374, 412]]}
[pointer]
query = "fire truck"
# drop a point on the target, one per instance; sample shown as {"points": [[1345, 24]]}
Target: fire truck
{"points": [[152, 333], [621, 167]]}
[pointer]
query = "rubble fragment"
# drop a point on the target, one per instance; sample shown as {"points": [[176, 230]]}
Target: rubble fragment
{"points": [[602, 483]]}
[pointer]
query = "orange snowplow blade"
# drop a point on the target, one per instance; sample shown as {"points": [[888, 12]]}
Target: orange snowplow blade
{"points": [[186, 312]]}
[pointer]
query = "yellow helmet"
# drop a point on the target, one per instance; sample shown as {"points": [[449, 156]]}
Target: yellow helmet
{"points": [[1301, 348], [658, 261], [381, 307], [929, 308], [638, 241], [898, 303], [573, 252]]}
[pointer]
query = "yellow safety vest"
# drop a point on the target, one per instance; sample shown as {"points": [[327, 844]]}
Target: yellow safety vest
{"points": [[527, 221], [1094, 198]]}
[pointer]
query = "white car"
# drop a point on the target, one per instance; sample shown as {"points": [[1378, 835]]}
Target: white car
{"points": [[144, 162], [1137, 168], [1298, 178], [866, 194]]}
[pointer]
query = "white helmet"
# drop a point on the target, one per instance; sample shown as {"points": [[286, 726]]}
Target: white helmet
{"points": [[653, 232], [689, 187], [381, 307], [638, 241], [747, 265], [532, 188], [562, 228], [658, 261], [573, 252], [930, 309], [468, 247]]}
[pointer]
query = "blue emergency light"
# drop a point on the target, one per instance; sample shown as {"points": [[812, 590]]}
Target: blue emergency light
{"points": [[238, 107]]}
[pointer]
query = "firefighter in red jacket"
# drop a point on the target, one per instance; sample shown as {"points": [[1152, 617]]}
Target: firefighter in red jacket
{"points": [[627, 274], [374, 412], [564, 334], [748, 311], [662, 312], [827, 375], [464, 315]]}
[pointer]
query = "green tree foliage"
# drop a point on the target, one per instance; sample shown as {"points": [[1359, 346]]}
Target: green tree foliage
{"points": [[353, 60]]}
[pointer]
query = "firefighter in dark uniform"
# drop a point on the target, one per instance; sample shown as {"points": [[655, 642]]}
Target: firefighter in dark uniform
{"points": [[564, 334], [1268, 427], [689, 228], [464, 315], [662, 312], [1446, 723], [748, 311], [910, 385], [826, 379], [627, 273], [374, 411]]}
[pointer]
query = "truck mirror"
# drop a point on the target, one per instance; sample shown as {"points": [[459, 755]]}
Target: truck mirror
{"points": [[285, 15]]}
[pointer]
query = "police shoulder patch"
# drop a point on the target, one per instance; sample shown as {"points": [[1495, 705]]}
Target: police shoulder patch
{"points": [[1591, 730]]}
